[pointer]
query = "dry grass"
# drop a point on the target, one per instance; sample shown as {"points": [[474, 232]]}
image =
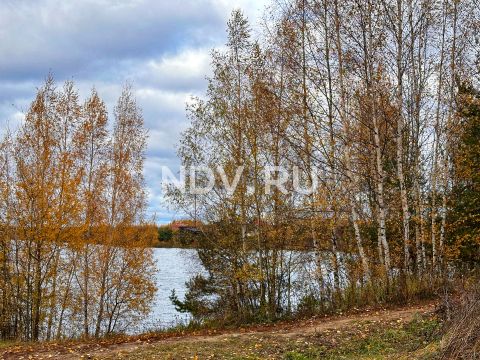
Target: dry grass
{"points": [[462, 338]]}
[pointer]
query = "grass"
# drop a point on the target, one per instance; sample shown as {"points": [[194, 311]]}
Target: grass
{"points": [[5, 344], [417, 339], [390, 342], [371, 334]]}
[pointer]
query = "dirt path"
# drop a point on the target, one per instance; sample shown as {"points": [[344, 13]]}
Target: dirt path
{"points": [[127, 348]]}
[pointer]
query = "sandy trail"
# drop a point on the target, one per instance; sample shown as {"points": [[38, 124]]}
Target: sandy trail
{"points": [[96, 350]]}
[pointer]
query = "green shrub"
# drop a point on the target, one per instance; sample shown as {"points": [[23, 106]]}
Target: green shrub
{"points": [[165, 233]]}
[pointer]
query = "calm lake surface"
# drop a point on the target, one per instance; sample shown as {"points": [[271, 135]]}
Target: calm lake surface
{"points": [[174, 268], [177, 266]]}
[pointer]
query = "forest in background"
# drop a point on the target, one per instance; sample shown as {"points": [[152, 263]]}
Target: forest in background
{"points": [[374, 100]]}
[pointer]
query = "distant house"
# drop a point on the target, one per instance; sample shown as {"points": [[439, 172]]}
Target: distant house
{"points": [[177, 225], [185, 231], [184, 226]]}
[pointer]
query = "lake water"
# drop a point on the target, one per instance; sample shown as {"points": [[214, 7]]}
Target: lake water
{"points": [[174, 268]]}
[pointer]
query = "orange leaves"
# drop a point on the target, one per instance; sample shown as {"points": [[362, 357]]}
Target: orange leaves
{"points": [[76, 251]]}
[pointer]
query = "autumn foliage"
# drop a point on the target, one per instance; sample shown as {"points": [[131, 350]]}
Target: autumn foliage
{"points": [[365, 97], [74, 261]]}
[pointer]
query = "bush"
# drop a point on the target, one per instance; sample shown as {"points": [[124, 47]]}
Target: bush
{"points": [[165, 233], [462, 338]]}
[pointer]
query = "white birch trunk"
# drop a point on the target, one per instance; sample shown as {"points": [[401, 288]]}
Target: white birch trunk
{"points": [[346, 123], [399, 138]]}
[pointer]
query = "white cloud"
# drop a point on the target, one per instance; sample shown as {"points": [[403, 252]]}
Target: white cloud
{"points": [[185, 70], [161, 46]]}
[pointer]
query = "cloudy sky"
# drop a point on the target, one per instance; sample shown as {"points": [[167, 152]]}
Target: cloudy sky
{"points": [[161, 46]]}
